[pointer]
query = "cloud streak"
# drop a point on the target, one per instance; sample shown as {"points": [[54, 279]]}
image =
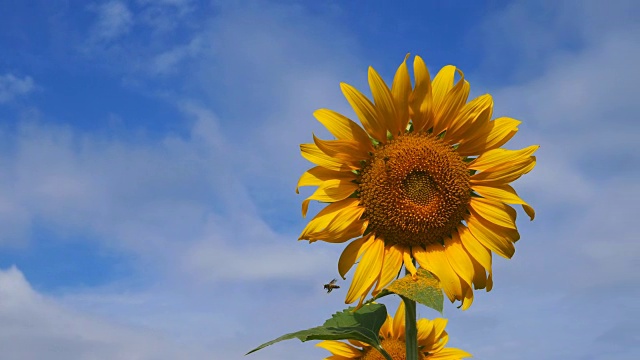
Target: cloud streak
{"points": [[114, 20], [36, 327], [12, 87]]}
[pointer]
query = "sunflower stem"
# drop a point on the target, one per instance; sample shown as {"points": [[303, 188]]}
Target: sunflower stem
{"points": [[410, 328]]}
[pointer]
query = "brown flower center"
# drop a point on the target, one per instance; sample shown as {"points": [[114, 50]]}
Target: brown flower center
{"points": [[395, 348], [415, 190]]}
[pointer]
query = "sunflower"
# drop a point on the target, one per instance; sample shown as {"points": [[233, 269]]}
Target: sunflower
{"points": [[424, 182], [431, 341]]}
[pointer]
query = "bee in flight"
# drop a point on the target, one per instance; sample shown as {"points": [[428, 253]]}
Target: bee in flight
{"points": [[331, 285]]}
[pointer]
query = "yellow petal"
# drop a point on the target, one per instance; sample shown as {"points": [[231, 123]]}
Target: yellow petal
{"points": [[491, 237], [459, 258], [347, 150], [435, 261], [343, 219], [367, 271], [439, 324], [349, 256], [478, 251], [421, 97], [398, 321], [386, 331], [337, 357], [340, 348], [432, 345], [450, 354], [366, 111], [495, 134], [442, 84], [344, 226], [504, 128], [425, 329], [438, 345], [316, 175], [312, 153], [408, 262], [489, 282], [324, 217], [479, 275], [383, 100], [390, 268], [529, 210], [503, 174], [355, 229], [364, 296], [497, 157], [401, 91], [357, 343], [506, 194], [450, 107], [330, 191], [467, 298], [494, 211], [472, 113], [343, 128]]}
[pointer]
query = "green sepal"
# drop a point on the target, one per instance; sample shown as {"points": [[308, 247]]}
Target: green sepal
{"points": [[363, 325], [424, 289]]}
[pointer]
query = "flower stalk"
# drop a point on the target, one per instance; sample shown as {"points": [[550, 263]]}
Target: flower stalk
{"points": [[411, 330]]}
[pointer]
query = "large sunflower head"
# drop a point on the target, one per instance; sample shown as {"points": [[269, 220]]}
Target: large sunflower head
{"points": [[424, 181], [432, 339]]}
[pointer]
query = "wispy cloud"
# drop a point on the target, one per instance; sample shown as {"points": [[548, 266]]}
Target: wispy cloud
{"points": [[170, 61], [177, 201], [164, 16], [577, 100], [12, 87], [114, 19], [251, 251], [37, 327]]}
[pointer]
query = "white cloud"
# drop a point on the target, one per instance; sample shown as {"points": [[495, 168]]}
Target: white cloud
{"points": [[580, 105], [577, 99], [192, 208], [33, 326], [178, 201], [169, 61], [167, 321], [114, 20], [164, 16], [181, 5], [525, 37], [582, 109], [269, 66], [605, 238], [12, 87], [256, 254], [138, 39]]}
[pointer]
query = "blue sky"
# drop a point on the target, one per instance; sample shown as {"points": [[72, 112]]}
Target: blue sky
{"points": [[149, 155]]}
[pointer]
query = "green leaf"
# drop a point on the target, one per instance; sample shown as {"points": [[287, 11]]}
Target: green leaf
{"points": [[425, 289], [363, 325]]}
